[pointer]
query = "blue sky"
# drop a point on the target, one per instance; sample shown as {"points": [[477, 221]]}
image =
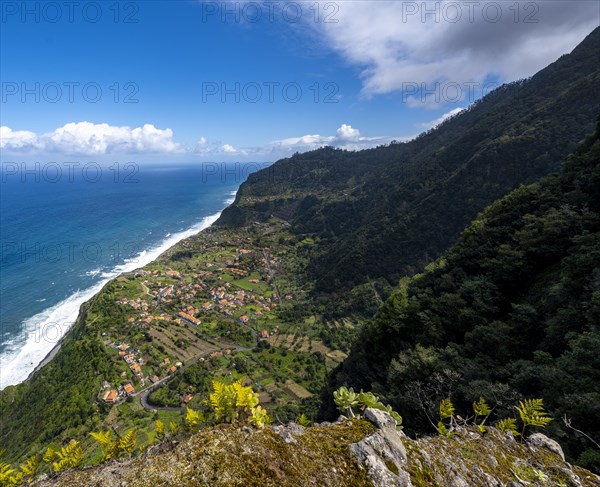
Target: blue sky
{"points": [[162, 66]]}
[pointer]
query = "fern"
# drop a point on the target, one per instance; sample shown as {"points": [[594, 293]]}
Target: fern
{"points": [[481, 410], [174, 427], [48, 455], [259, 417], [508, 425], [194, 418], [70, 456], [9, 477], [109, 446], [30, 467], [446, 409], [532, 413], [245, 397], [128, 442], [160, 430], [446, 412], [303, 420]]}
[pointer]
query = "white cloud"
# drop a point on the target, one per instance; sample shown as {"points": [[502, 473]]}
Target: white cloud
{"points": [[89, 139], [16, 139], [396, 42], [86, 138], [346, 132], [346, 137], [434, 123]]}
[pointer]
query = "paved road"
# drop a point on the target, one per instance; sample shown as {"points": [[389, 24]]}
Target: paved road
{"points": [[254, 336], [143, 394]]}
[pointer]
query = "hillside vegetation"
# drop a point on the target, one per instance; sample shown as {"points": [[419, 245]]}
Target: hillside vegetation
{"points": [[512, 310], [383, 213]]}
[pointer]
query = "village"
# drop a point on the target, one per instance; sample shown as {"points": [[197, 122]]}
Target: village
{"points": [[222, 306], [233, 289]]}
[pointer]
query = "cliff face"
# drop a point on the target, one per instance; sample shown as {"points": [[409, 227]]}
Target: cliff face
{"points": [[354, 452]]}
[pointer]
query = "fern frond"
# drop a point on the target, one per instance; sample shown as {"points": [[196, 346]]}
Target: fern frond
{"points": [[446, 409], [508, 425], [128, 442], [30, 467]]}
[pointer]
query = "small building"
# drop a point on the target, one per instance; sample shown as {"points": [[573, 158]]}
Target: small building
{"points": [[154, 379], [264, 334], [172, 369], [129, 389], [187, 398], [110, 397], [189, 318]]}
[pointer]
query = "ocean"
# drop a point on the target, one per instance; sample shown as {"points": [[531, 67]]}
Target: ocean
{"points": [[64, 234]]}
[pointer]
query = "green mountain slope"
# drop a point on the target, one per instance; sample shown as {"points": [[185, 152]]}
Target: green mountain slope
{"points": [[511, 311], [387, 212]]}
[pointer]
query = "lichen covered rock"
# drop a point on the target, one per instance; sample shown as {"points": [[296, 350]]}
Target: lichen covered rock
{"points": [[350, 453]]}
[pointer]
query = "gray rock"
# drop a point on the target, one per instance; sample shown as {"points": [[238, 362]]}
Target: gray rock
{"points": [[379, 418], [383, 453], [542, 441], [288, 431]]}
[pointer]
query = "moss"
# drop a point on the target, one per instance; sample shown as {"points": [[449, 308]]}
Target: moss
{"points": [[321, 457], [392, 467]]}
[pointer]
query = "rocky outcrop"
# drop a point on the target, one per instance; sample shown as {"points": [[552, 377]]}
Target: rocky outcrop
{"points": [[351, 453], [383, 453], [467, 458]]}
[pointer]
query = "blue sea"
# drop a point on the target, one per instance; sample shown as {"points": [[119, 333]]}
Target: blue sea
{"points": [[64, 234]]}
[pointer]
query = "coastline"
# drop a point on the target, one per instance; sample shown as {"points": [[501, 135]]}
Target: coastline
{"points": [[46, 359], [145, 257]]}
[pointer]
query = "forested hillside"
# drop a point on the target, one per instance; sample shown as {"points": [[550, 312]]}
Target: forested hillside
{"points": [[511, 311], [387, 212]]}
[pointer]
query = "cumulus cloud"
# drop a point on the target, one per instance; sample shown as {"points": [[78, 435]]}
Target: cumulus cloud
{"points": [[346, 132], [86, 138], [428, 42], [16, 139], [346, 137]]}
